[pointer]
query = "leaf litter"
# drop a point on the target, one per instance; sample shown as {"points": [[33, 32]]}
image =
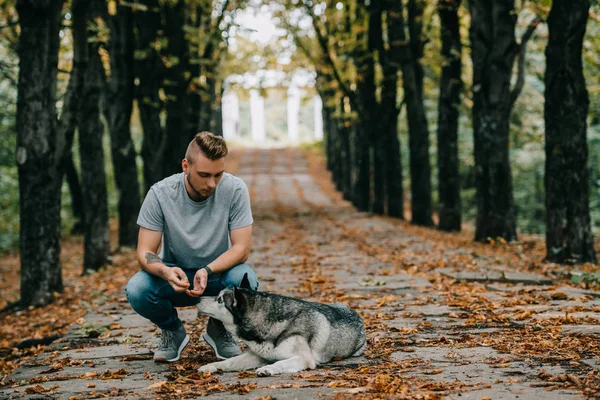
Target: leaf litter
{"points": [[480, 317]]}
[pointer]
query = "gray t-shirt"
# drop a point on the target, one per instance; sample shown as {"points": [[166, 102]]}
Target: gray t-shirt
{"points": [[195, 233]]}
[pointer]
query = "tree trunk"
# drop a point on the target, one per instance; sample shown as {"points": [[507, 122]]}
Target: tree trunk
{"points": [[119, 106], [449, 103], [345, 133], [93, 177], [493, 53], [391, 61], [361, 181], [569, 238], [39, 151], [175, 87], [149, 69], [412, 82], [365, 89], [72, 105]]}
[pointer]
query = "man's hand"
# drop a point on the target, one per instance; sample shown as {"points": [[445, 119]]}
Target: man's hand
{"points": [[200, 282], [176, 278]]}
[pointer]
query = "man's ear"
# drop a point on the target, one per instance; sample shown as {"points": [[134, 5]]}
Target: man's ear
{"points": [[245, 284]]}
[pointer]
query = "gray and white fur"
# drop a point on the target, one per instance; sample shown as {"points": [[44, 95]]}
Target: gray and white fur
{"points": [[283, 334]]}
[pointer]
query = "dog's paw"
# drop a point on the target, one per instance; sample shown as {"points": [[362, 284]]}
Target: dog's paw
{"points": [[208, 368], [267, 370]]}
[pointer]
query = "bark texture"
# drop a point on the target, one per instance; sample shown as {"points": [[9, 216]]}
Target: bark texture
{"points": [[39, 152], [412, 81], [449, 103], [569, 238], [149, 70], [492, 34], [119, 105], [93, 176]]}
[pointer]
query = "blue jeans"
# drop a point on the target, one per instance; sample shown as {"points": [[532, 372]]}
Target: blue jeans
{"points": [[154, 298]]}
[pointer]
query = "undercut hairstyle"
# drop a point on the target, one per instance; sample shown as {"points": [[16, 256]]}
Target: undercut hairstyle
{"points": [[211, 145]]}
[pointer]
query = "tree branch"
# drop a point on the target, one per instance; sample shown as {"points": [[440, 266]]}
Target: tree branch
{"points": [[516, 91], [326, 51]]}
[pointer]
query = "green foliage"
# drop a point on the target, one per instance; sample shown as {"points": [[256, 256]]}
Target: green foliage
{"points": [[587, 278], [9, 208]]}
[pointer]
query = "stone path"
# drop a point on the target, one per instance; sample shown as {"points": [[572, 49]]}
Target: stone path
{"points": [[306, 245]]}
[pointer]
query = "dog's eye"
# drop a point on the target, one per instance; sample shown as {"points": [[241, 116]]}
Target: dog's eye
{"points": [[219, 300]]}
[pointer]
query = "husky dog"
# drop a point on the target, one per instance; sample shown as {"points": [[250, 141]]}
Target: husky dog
{"points": [[283, 334]]}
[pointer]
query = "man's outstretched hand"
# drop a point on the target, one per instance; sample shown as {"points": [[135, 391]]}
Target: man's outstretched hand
{"points": [[200, 282], [177, 279]]}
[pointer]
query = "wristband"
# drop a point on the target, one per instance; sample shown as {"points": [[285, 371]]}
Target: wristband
{"points": [[208, 270]]}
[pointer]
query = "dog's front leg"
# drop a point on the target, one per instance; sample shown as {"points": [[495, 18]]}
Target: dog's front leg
{"points": [[244, 361], [288, 366]]}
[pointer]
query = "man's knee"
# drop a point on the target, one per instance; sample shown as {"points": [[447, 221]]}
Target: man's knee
{"points": [[138, 288], [234, 276]]}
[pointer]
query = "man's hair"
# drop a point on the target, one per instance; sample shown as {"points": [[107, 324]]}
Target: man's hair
{"points": [[211, 145]]}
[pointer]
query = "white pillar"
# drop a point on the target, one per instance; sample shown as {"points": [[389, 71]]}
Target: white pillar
{"points": [[231, 115], [318, 115], [257, 116], [293, 113]]}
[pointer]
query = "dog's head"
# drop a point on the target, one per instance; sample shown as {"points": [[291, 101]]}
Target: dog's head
{"points": [[230, 305]]}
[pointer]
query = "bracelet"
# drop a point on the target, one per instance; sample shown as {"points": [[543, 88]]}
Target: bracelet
{"points": [[208, 270]]}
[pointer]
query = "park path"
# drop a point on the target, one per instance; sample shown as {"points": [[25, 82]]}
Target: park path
{"points": [[442, 321]]}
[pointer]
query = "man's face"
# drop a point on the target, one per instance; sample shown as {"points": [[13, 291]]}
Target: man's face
{"points": [[202, 176]]}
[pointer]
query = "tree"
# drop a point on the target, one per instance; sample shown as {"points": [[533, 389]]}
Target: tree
{"points": [[448, 106], [39, 153], [91, 131], [494, 50], [568, 233], [412, 80], [149, 70], [119, 105]]}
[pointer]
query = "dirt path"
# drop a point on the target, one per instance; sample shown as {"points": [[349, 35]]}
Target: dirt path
{"points": [[445, 317]]}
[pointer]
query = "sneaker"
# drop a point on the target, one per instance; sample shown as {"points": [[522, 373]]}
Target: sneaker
{"points": [[171, 345], [220, 340]]}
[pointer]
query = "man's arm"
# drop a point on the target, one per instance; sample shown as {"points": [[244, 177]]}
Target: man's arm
{"points": [[241, 242], [147, 249]]}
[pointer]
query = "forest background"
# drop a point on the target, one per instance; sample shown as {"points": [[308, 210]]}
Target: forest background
{"points": [[250, 56]]}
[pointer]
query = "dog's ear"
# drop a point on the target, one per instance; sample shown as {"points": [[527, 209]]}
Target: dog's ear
{"points": [[245, 284], [239, 300]]}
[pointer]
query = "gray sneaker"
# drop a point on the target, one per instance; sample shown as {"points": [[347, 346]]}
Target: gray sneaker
{"points": [[220, 340], [171, 345]]}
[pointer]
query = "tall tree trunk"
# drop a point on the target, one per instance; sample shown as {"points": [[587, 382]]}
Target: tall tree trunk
{"points": [[569, 238], [391, 61], [119, 106], [493, 53], [93, 177], [412, 82], [175, 86], [149, 69], [39, 151], [449, 102], [72, 105], [365, 89], [375, 109]]}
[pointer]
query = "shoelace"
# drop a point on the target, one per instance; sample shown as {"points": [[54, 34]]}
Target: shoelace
{"points": [[166, 339]]}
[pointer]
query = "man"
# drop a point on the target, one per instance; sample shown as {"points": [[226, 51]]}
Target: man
{"points": [[202, 223]]}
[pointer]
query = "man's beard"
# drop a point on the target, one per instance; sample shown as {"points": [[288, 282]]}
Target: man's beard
{"points": [[202, 197]]}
